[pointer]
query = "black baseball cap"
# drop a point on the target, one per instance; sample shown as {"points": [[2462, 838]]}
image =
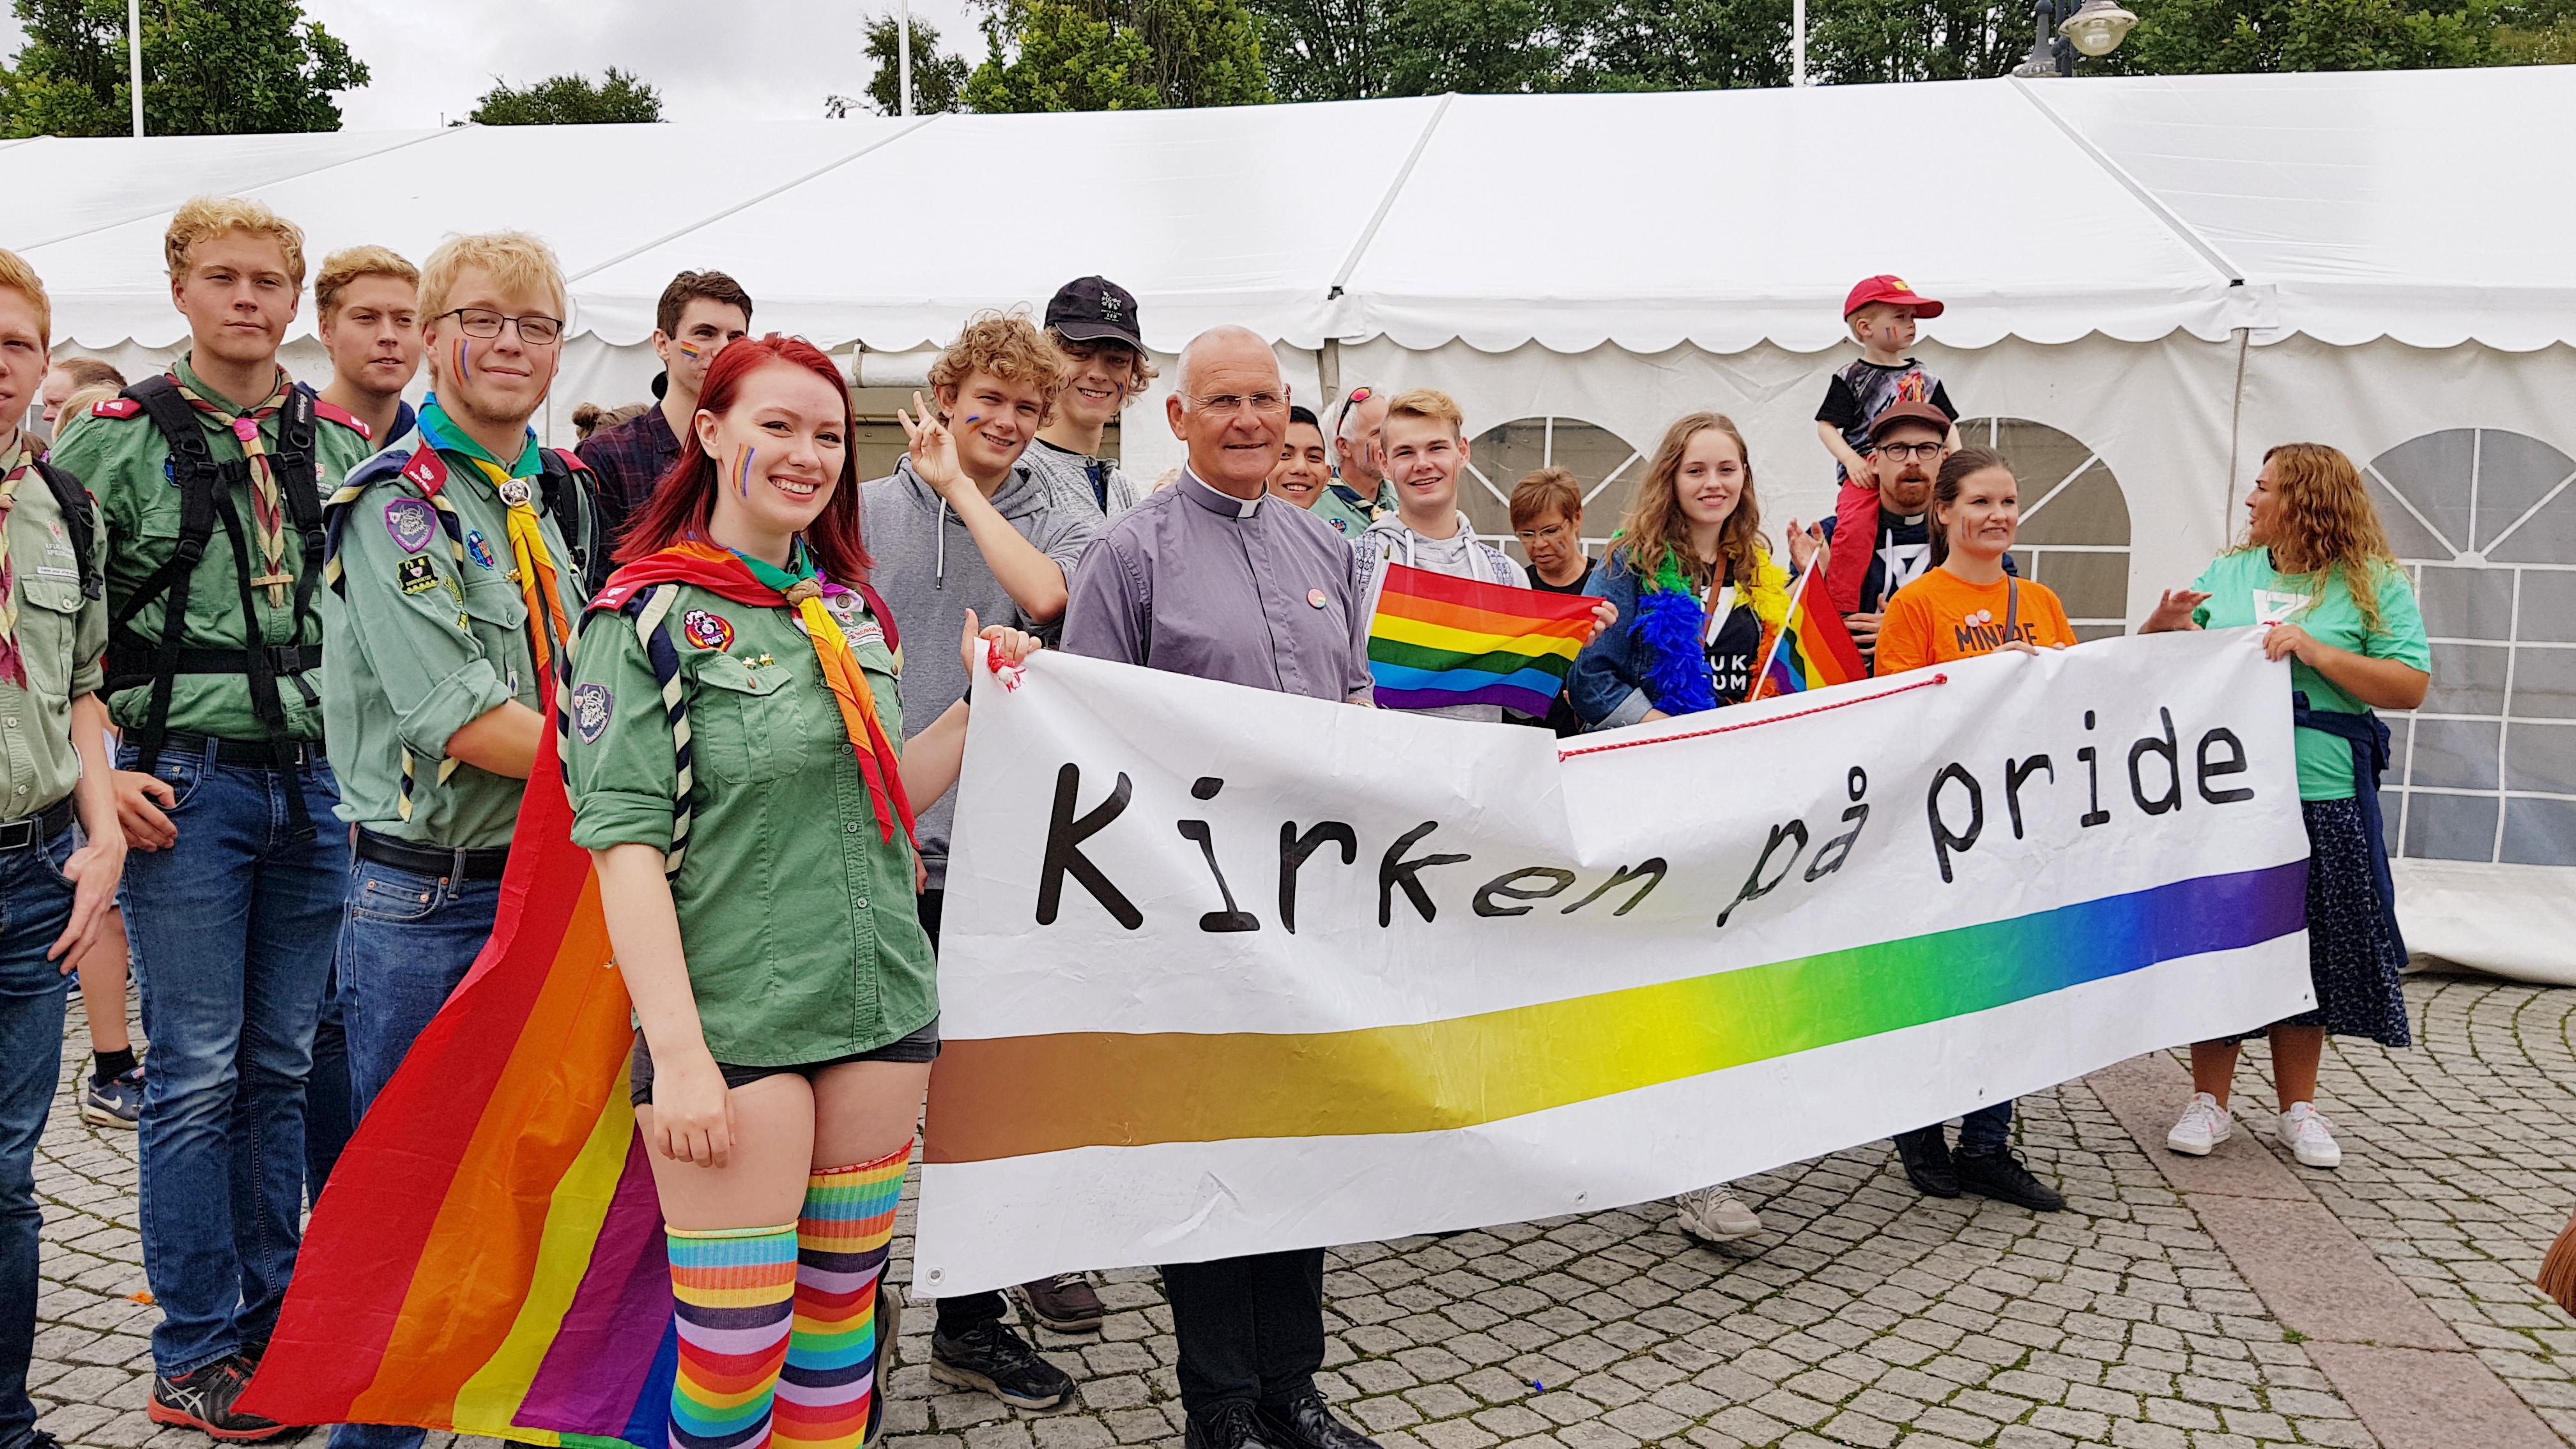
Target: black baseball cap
{"points": [[1094, 309]]}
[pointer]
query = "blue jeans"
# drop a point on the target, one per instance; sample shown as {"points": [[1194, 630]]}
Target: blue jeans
{"points": [[232, 934], [1986, 1129], [35, 903], [406, 939], [328, 1116]]}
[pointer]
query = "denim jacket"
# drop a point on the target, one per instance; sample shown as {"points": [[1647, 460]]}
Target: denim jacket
{"points": [[1607, 683]]}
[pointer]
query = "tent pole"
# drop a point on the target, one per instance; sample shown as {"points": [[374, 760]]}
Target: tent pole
{"points": [[1798, 43], [134, 59], [903, 54]]}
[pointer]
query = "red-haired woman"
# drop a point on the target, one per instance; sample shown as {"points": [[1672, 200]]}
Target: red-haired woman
{"points": [[756, 872], [2316, 568]]}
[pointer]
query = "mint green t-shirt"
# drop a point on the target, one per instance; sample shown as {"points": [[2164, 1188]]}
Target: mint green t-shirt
{"points": [[2244, 588]]}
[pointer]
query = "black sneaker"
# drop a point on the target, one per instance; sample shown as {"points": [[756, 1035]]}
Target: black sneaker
{"points": [[203, 1399], [2000, 1175], [1229, 1424], [1926, 1155], [991, 1357]]}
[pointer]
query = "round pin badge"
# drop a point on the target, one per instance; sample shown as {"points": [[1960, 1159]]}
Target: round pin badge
{"points": [[1315, 597]]}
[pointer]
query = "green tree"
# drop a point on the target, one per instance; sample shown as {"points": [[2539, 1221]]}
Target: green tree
{"points": [[621, 97], [1117, 55], [1676, 45], [2189, 37], [1858, 41], [210, 67], [938, 81]]}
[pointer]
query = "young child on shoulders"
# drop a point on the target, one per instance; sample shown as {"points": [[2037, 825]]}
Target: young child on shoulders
{"points": [[1881, 313]]}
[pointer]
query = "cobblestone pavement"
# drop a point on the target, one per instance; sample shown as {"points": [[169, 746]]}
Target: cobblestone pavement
{"points": [[1866, 1316]]}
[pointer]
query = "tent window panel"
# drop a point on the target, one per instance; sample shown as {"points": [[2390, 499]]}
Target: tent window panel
{"points": [[2466, 603], [2041, 456], [2455, 754], [2467, 679], [2087, 510], [2091, 585], [2539, 832], [2549, 603], [2515, 473], [2544, 686], [2543, 759], [2451, 827], [2406, 533], [2434, 473], [1506, 454]]}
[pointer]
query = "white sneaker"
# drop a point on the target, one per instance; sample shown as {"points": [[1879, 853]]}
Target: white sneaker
{"points": [[2304, 1132], [1712, 1214], [2204, 1125]]}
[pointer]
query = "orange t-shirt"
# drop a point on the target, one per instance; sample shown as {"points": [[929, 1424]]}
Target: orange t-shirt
{"points": [[1941, 616]]}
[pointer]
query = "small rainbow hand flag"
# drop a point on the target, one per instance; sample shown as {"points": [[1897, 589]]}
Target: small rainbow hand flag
{"points": [[1438, 641], [1813, 649]]}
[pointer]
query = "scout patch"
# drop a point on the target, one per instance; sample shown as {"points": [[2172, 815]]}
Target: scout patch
{"points": [[411, 522], [590, 705], [707, 631], [415, 576], [477, 549]]}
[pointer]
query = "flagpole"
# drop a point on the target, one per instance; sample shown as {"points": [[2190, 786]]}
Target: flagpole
{"points": [[1762, 676]]}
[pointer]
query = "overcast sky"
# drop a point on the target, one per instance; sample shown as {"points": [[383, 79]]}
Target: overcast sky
{"points": [[762, 58]]}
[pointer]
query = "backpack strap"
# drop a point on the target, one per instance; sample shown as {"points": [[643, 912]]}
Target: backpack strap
{"points": [[645, 612], [194, 469], [571, 492], [80, 525]]}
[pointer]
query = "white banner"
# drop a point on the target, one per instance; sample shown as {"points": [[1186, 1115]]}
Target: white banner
{"points": [[1226, 972]]}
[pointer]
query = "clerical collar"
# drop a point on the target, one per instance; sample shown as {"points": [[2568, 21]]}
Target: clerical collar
{"points": [[1218, 502]]}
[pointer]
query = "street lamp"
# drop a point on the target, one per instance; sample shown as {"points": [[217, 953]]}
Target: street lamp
{"points": [[2096, 29]]}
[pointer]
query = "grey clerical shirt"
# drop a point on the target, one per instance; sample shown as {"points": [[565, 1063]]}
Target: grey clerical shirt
{"points": [[1250, 591]]}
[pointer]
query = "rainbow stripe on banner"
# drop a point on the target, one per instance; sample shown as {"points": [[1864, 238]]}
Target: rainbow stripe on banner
{"points": [[489, 1256], [1436, 640], [1812, 651], [988, 1098]]}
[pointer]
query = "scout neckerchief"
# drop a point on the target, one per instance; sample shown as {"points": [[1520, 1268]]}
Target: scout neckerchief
{"points": [[14, 468], [548, 629], [764, 586], [266, 506]]}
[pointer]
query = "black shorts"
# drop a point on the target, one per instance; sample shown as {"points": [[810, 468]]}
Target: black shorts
{"points": [[921, 1046]]}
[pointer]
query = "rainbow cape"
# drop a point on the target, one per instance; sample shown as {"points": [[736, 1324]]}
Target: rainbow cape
{"points": [[1811, 650], [1436, 640]]}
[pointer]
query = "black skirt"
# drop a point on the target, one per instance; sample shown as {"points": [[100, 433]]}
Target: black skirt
{"points": [[2352, 962]]}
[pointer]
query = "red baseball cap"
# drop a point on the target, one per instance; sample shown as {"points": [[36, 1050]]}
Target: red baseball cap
{"points": [[1889, 289]]}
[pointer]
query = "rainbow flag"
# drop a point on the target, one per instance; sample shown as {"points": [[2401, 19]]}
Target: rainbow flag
{"points": [[1811, 651], [1436, 640], [488, 1256]]}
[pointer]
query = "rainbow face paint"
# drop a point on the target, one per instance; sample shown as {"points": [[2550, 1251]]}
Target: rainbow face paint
{"points": [[742, 471], [689, 352], [464, 358]]}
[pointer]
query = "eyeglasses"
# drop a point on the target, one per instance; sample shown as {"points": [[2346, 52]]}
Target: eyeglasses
{"points": [[534, 331], [1228, 402], [1919, 452]]}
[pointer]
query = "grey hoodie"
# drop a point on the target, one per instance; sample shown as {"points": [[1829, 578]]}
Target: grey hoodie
{"points": [[929, 572], [1460, 555]]}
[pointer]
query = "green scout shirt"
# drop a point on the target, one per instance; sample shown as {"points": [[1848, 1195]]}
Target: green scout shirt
{"points": [[1350, 519], [797, 918], [422, 645], [2244, 588], [124, 461], [61, 638]]}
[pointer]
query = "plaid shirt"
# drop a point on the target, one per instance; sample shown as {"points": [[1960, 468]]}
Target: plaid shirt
{"points": [[628, 459]]}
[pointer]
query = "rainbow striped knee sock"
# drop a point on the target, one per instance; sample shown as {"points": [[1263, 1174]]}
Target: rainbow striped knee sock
{"points": [[734, 1288], [825, 1391]]}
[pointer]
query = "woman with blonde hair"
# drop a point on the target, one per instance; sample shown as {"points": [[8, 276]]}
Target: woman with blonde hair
{"points": [[1694, 582], [1698, 599], [2316, 570]]}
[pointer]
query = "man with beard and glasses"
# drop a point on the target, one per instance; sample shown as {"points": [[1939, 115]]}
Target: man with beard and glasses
{"points": [[1881, 542]]}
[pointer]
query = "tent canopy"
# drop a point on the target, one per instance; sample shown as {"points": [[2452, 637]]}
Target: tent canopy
{"points": [[2346, 207]]}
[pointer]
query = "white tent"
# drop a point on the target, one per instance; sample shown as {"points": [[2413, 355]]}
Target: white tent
{"points": [[2150, 281]]}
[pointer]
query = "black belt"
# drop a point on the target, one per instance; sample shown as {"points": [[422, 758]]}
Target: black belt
{"points": [[36, 829], [486, 863], [254, 753]]}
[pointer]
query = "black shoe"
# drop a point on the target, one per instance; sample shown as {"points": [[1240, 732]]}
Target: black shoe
{"points": [[1229, 1424], [1926, 1155], [2000, 1175], [203, 1399], [1001, 1363], [43, 1440], [1064, 1302], [1304, 1423], [889, 1331]]}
